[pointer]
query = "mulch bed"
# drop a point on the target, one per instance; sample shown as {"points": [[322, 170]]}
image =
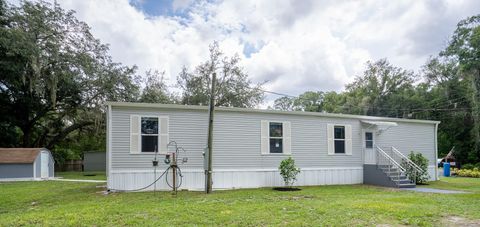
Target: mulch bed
{"points": [[286, 189]]}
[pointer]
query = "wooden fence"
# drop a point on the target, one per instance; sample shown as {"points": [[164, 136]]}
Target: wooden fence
{"points": [[70, 165]]}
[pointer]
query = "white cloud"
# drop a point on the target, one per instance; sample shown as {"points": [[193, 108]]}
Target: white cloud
{"points": [[295, 45]]}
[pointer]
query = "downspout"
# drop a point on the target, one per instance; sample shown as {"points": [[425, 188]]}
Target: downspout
{"points": [[109, 144], [436, 151], [363, 145]]}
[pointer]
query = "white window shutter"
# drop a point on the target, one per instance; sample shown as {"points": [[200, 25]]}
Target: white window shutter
{"points": [[163, 138], [330, 144], [287, 138], [264, 147], [348, 139], [135, 141]]}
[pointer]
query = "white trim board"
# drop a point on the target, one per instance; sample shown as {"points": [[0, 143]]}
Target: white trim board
{"points": [[109, 145], [236, 109], [232, 170]]}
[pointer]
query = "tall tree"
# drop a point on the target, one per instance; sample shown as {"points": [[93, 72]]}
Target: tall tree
{"points": [[310, 101], [446, 101], [234, 88], [464, 47], [284, 103], [55, 76], [334, 102], [381, 90], [155, 90]]}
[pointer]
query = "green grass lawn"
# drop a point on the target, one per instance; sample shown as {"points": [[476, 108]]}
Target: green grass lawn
{"points": [[58, 203], [82, 175], [456, 183]]}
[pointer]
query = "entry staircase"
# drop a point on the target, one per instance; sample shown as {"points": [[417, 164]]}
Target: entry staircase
{"points": [[395, 166]]}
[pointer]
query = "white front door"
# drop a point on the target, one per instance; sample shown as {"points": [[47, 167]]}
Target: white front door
{"points": [[369, 147], [44, 164]]}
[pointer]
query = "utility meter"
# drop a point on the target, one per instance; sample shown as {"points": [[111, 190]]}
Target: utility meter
{"points": [[167, 159]]}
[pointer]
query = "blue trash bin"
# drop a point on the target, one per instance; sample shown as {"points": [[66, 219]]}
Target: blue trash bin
{"points": [[446, 169]]}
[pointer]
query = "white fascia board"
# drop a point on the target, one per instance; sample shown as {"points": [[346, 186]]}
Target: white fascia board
{"points": [[246, 110], [381, 123]]}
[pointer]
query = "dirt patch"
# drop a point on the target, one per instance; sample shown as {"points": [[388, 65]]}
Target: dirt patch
{"points": [[460, 221]]}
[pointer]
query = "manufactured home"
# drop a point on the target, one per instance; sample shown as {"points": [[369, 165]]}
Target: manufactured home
{"points": [[25, 164], [249, 144]]}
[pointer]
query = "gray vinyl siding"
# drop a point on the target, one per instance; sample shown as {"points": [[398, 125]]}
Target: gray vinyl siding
{"points": [[187, 128], [237, 139], [16, 170], [409, 136]]}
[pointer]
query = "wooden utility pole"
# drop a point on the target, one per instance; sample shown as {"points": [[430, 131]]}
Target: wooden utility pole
{"points": [[174, 160], [210, 135]]}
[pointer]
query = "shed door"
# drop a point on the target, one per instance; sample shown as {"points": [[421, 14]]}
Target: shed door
{"points": [[44, 164]]}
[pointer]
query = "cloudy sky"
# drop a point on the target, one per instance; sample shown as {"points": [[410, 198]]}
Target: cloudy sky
{"points": [[294, 45]]}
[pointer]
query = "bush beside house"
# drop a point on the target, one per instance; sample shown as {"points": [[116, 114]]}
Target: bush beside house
{"points": [[420, 161], [289, 171]]}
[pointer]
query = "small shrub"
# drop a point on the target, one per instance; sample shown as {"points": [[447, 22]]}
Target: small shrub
{"points": [[422, 162], [288, 171], [475, 172], [468, 166], [453, 171]]}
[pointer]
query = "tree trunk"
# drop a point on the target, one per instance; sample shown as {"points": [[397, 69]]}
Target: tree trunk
{"points": [[476, 114], [26, 130], [61, 135]]}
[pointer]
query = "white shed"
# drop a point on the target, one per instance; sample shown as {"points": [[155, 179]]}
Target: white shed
{"points": [[25, 164]]}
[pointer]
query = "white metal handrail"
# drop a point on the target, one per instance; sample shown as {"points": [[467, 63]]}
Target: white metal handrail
{"points": [[405, 158], [395, 163], [383, 159]]}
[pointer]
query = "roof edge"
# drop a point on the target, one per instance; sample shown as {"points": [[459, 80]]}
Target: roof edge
{"points": [[247, 110]]}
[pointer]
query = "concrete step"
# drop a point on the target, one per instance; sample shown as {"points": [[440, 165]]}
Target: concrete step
{"points": [[393, 172], [399, 177], [402, 181], [386, 169]]}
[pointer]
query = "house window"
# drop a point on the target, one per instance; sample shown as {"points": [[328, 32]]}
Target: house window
{"points": [[149, 134], [276, 137], [339, 139], [368, 140]]}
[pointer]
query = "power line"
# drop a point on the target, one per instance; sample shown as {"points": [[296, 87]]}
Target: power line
{"points": [[433, 107], [276, 93]]}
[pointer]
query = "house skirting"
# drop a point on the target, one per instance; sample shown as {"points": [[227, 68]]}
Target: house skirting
{"points": [[194, 179]]}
